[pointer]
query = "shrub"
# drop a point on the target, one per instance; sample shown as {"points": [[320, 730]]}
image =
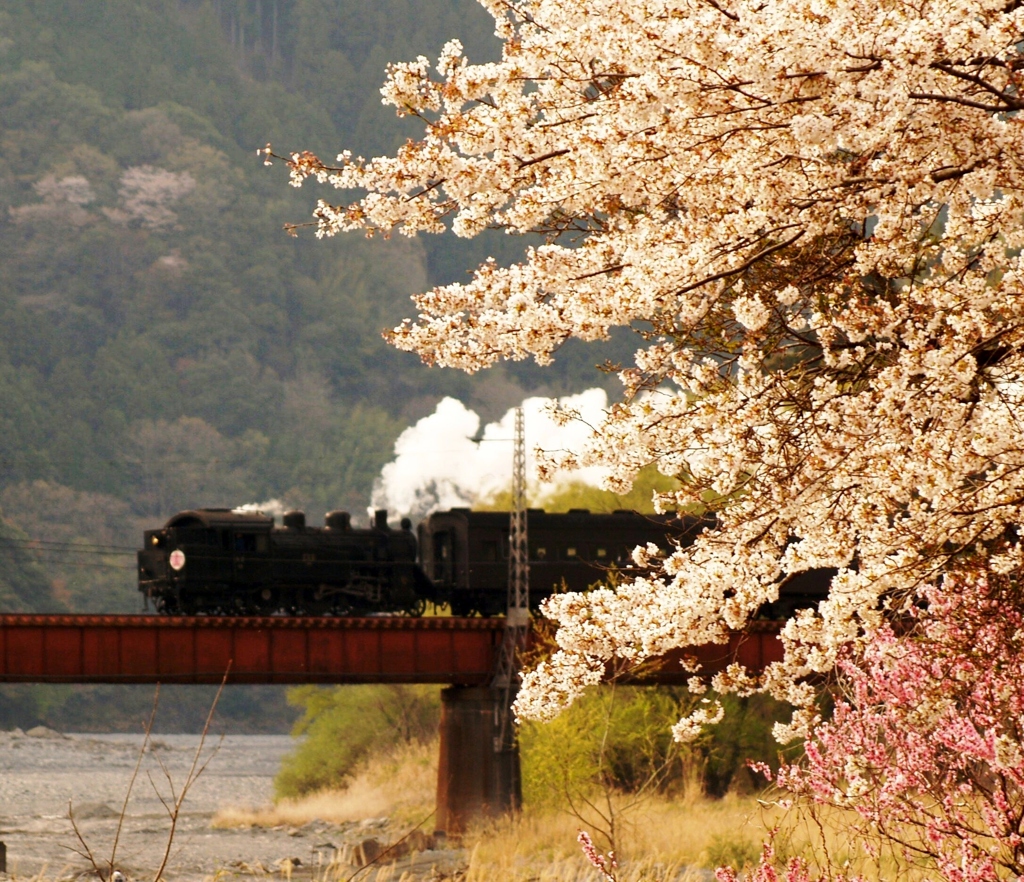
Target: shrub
{"points": [[615, 738], [618, 738], [745, 734], [341, 726]]}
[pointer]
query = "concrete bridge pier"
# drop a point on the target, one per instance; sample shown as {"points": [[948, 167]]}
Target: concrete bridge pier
{"points": [[474, 781]]}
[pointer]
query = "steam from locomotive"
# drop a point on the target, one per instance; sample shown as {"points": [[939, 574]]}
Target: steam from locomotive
{"points": [[449, 459]]}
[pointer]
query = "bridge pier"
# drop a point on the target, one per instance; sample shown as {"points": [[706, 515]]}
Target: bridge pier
{"points": [[474, 781]]}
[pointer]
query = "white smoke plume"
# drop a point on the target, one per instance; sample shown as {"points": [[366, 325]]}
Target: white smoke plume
{"points": [[272, 508], [445, 461]]}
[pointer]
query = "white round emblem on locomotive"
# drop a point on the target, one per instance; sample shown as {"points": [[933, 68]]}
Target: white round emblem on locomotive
{"points": [[177, 559]]}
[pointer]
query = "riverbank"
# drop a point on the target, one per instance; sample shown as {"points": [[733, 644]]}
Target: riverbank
{"points": [[229, 827]]}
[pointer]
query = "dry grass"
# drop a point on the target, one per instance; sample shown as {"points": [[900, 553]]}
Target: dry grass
{"points": [[681, 840], [401, 785], [660, 839]]}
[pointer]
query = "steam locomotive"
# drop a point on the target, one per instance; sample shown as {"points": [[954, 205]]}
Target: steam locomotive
{"points": [[224, 562], [218, 561]]}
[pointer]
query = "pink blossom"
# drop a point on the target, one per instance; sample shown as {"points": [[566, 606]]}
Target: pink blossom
{"points": [[605, 863]]}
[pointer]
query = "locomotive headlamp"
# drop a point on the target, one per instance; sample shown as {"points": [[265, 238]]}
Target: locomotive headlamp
{"points": [[177, 559]]}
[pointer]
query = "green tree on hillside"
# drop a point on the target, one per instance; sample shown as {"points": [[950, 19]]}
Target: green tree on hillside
{"points": [[23, 584]]}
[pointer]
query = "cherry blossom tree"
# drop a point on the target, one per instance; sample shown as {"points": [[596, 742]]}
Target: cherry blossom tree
{"points": [[811, 213]]}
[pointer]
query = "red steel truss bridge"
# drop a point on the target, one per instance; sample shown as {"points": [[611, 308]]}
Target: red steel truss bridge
{"points": [[279, 649], [478, 772]]}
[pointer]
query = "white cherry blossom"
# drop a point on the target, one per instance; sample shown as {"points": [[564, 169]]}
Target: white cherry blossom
{"points": [[813, 210]]}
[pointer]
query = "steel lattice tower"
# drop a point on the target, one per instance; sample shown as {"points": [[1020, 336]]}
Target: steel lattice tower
{"points": [[517, 622]]}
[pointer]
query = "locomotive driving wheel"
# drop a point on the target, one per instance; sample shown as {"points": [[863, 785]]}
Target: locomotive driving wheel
{"points": [[316, 602], [266, 601], [416, 607]]}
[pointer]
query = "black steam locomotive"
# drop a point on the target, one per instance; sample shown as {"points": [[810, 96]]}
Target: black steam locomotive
{"points": [[223, 562], [219, 561]]}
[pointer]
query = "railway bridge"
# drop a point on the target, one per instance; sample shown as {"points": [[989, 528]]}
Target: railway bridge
{"points": [[477, 775]]}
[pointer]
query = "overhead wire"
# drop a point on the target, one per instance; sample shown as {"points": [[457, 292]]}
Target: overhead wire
{"points": [[92, 547], [68, 554]]}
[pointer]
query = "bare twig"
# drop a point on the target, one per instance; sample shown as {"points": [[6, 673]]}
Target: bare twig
{"points": [[174, 809], [87, 854], [131, 781]]}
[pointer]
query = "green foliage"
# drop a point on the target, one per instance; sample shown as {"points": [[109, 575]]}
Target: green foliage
{"points": [[576, 494], [343, 725], [640, 497], [618, 739], [23, 584], [243, 709], [97, 581], [744, 734], [614, 738], [159, 339]]}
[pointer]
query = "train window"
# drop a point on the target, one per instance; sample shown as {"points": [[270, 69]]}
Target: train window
{"points": [[245, 542], [443, 556], [489, 551], [601, 553], [263, 543], [539, 553], [570, 553]]}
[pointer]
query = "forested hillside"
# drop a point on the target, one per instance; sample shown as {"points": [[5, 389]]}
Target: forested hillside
{"points": [[163, 344]]}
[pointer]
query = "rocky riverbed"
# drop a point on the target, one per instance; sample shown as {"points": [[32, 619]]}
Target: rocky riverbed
{"points": [[43, 772]]}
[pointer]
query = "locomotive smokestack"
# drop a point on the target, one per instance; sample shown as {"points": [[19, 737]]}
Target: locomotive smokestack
{"points": [[380, 519], [294, 520]]}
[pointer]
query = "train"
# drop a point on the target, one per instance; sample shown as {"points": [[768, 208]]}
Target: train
{"points": [[219, 561]]}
